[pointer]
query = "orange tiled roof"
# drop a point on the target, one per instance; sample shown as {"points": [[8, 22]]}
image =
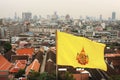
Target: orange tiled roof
{"points": [[4, 64], [25, 51], [81, 76], [2, 73], [14, 70], [19, 65], [22, 61], [33, 66]]}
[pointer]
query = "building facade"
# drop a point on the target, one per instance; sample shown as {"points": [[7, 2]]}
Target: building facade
{"points": [[26, 16]]}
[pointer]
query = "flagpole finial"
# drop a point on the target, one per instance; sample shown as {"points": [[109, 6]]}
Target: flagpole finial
{"points": [[82, 50]]}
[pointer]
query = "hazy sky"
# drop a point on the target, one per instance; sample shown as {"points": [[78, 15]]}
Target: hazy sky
{"points": [[74, 8]]}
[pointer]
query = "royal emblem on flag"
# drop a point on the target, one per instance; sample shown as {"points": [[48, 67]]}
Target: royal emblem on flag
{"points": [[74, 51], [82, 58]]}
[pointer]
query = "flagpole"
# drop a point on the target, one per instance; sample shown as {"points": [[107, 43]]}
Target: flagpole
{"points": [[56, 54]]}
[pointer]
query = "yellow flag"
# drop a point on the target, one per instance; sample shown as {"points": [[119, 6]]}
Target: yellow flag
{"points": [[79, 52]]}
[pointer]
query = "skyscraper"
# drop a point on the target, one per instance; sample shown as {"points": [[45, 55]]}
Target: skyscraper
{"points": [[15, 16], [67, 17], [1, 21], [113, 15], [100, 17], [55, 16], [26, 16]]}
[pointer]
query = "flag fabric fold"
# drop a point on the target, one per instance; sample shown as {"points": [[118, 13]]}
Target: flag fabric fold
{"points": [[79, 52]]}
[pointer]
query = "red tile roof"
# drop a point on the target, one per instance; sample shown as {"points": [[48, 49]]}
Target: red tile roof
{"points": [[14, 70], [21, 64], [22, 61], [35, 65], [4, 64], [3, 73], [25, 51], [83, 76]]}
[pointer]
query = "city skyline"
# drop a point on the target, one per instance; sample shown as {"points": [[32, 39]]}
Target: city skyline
{"points": [[74, 8]]}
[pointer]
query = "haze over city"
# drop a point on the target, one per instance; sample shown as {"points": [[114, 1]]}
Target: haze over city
{"points": [[59, 39], [74, 8]]}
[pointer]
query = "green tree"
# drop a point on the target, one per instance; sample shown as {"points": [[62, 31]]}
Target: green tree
{"points": [[65, 76], [7, 47], [33, 75], [43, 76], [115, 77], [20, 73], [51, 76]]}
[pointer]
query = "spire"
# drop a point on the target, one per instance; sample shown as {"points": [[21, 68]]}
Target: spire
{"points": [[82, 50]]}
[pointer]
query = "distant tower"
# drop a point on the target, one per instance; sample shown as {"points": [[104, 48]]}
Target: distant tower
{"points": [[81, 17], [15, 16], [113, 15], [55, 16], [1, 21], [26, 16], [100, 17], [35, 17], [48, 16], [67, 17]]}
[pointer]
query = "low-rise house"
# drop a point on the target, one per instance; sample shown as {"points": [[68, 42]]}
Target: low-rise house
{"points": [[20, 64], [5, 65], [25, 51], [35, 66]]}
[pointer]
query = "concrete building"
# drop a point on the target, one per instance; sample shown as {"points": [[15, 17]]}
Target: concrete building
{"points": [[1, 21], [11, 30], [26, 16], [100, 18], [3, 32], [113, 15], [43, 29], [54, 17]]}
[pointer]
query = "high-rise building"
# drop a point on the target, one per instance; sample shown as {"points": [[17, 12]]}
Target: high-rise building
{"points": [[67, 17], [15, 16], [100, 17], [55, 16], [113, 15], [48, 16], [81, 17], [35, 17], [1, 21], [26, 16]]}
